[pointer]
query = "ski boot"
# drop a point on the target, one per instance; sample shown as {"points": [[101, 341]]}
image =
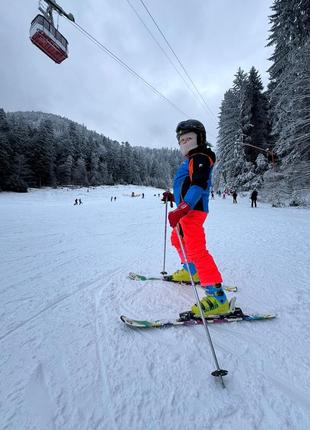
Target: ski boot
{"points": [[182, 275], [214, 303]]}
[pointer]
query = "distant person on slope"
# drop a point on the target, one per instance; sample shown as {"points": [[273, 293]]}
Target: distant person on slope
{"points": [[235, 196], [168, 197], [191, 189], [254, 198]]}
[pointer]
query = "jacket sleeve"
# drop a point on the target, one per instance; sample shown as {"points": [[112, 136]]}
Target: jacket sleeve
{"points": [[199, 172]]}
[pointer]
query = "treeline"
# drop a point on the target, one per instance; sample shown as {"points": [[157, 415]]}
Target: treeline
{"points": [[276, 121], [38, 149]]}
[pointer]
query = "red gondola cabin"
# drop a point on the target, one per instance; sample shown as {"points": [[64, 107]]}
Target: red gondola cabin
{"points": [[47, 38]]}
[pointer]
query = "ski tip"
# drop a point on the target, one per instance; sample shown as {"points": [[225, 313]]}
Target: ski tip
{"points": [[136, 277], [134, 323], [260, 317], [127, 321]]}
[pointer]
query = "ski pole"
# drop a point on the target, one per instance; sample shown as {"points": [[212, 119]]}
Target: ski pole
{"points": [[163, 272], [218, 372]]}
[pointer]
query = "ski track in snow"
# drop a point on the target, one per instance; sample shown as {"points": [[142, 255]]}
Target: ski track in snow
{"points": [[68, 362]]}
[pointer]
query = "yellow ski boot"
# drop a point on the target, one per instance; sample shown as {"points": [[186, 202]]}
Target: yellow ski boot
{"points": [[214, 303], [182, 275]]}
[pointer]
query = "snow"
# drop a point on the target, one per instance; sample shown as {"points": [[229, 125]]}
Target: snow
{"points": [[68, 362]]}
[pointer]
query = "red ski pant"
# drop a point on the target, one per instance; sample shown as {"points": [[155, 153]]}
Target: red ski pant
{"points": [[194, 242]]}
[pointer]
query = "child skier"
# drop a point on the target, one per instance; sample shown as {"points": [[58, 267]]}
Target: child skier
{"points": [[191, 189]]}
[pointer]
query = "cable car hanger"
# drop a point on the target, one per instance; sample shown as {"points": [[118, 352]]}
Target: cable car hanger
{"points": [[52, 5]]}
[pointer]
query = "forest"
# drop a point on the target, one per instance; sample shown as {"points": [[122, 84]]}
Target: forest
{"points": [[46, 150]]}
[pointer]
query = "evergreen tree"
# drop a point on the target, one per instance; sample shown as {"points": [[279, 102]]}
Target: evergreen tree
{"points": [[79, 174], [94, 175], [254, 114], [243, 124], [43, 155], [230, 137], [5, 151], [289, 74], [64, 171], [21, 176], [106, 178]]}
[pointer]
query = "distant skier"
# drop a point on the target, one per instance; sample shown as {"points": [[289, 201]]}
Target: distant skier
{"points": [[76, 202], [115, 199], [191, 190], [142, 195], [212, 194], [168, 197], [111, 198], [80, 201], [254, 198], [234, 195]]}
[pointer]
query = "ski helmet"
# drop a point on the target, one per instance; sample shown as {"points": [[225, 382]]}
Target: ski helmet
{"points": [[195, 126]]}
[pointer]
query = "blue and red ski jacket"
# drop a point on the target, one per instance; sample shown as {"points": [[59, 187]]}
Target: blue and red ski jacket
{"points": [[192, 181]]}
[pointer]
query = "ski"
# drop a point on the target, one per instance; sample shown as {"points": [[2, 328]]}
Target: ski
{"points": [[186, 319], [168, 278]]}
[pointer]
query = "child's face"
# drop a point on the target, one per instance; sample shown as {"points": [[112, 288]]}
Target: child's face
{"points": [[187, 142]]}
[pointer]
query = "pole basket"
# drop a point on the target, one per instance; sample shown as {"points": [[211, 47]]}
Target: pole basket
{"points": [[219, 372]]}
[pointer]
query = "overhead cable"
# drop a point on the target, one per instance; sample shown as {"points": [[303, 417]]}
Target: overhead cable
{"points": [[179, 61], [163, 51], [123, 64]]}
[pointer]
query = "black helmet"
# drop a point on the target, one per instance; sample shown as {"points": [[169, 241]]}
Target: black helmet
{"points": [[192, 125]]}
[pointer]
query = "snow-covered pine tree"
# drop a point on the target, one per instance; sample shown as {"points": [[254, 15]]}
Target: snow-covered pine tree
{"points": [[228, 130], [94, 176], [79, 173], [5, 151], [289, 90], [243, 123], [231, 156], [64, 171], [301, 102], [254, 115], [43, 155]]}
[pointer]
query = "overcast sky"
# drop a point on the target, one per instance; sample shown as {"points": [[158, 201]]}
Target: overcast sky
{"points": [[212, 38]]}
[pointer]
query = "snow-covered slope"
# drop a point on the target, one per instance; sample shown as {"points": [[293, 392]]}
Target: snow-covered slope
{"points": [[67, 361]]}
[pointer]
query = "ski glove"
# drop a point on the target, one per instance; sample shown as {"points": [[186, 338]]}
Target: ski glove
{"points": [[178, 213], [168, 197]]}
